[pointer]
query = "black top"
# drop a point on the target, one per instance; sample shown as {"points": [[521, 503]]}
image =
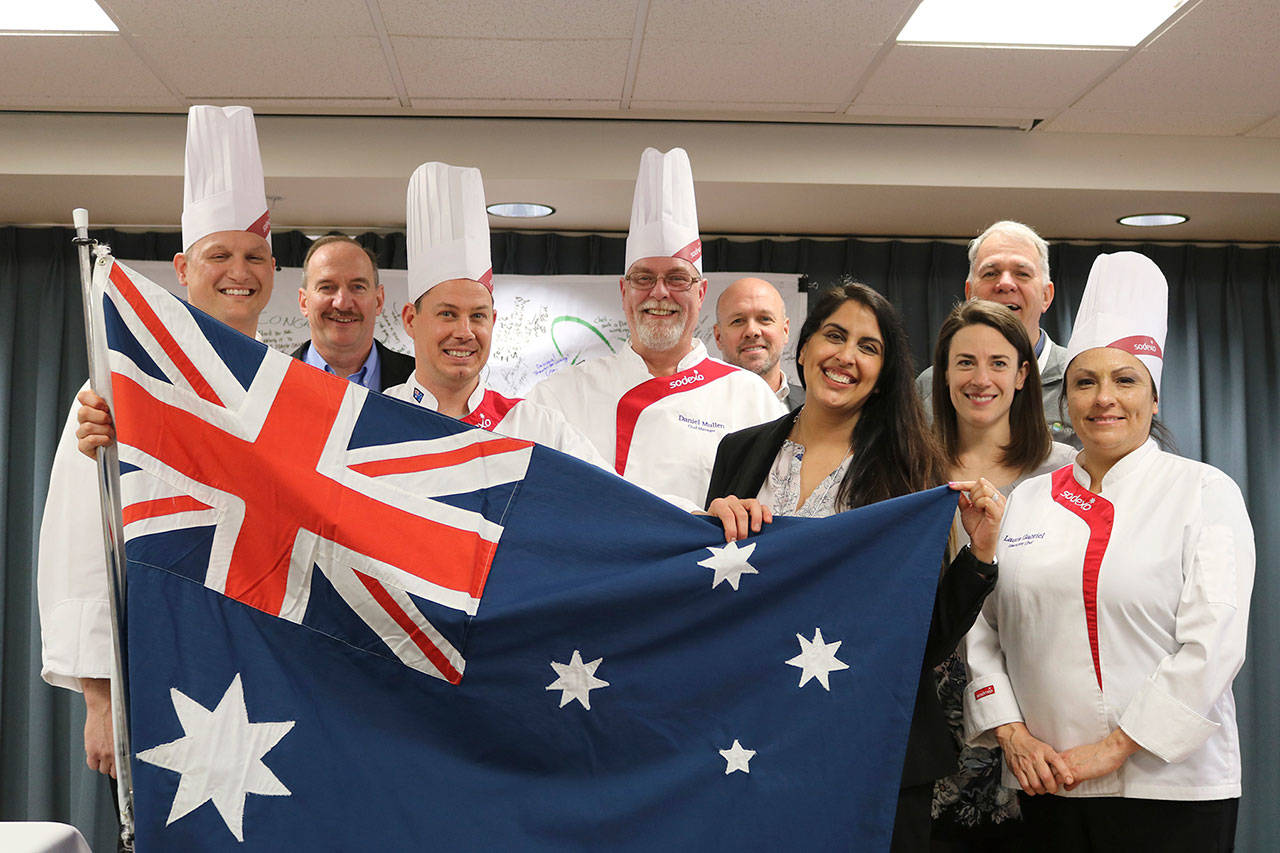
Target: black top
{"points": [[743, 460], [394, 367]]}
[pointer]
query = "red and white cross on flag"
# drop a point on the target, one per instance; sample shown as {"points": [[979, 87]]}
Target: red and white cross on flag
{"points": [[262, 449]]}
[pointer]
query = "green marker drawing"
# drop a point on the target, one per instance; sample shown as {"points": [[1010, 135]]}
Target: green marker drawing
{"points": [[582, 322]]}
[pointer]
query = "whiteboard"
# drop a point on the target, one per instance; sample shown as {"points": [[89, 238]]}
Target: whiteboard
{"points": [[543, 322]]}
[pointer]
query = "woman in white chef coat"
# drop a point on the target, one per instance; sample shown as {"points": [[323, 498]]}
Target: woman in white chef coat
{"points": [[1102, 663]]}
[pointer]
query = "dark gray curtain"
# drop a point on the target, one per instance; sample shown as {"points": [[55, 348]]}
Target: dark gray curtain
{"points": [[42, 769], [1220, 397]]}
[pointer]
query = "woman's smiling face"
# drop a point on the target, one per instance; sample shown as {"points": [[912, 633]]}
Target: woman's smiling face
{"points": [[1111, 400], [842, 359], [983, 374]]}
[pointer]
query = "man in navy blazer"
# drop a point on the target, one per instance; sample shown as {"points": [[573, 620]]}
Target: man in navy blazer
{"points": [[341, 298]]}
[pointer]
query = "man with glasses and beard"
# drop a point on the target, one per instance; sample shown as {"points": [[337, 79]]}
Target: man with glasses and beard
{"points": [[657, 408]]}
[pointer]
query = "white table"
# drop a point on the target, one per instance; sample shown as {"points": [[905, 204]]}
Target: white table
{"points": [[31, 836]]}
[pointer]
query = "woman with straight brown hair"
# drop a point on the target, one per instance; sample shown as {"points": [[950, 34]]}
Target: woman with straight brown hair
{"points": [[988, 418]]}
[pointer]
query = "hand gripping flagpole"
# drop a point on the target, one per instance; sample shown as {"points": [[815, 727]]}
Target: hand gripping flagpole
{"points": [[112, 523]]}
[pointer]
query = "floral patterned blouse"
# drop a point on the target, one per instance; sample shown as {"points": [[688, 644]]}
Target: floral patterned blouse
{"points": [[781, 489]]}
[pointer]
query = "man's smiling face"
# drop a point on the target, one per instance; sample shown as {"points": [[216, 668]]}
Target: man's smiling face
{"points": [[1007, 271], [228, 275], [340, 299]]}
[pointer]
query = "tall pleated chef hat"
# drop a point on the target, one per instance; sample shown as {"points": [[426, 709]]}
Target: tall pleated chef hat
{"points": [[664, 214], [222, 187], [447, 227], [1125, 307]]}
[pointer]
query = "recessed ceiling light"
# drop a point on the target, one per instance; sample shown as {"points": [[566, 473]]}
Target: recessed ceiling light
{"points": [[1026, 23], [520, 209], [61, 16], [1152, 220]]}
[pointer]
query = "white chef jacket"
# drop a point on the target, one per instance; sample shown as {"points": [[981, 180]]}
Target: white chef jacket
{"points": [[71, 572], [659, 433], [1166, 636], [511, 417]]}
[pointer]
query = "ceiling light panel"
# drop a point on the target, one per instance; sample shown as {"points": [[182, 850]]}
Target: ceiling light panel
{"points": [[520, 210], [59, 16], [1152, 220], [1021, 23]]}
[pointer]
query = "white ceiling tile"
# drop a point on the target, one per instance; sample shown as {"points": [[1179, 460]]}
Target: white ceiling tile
{"points": [[1215, 82], [69, 70], [188, 20], [512, 70], [793, 26], [1017, 80], [273, 68], [496, 19], [1224, 25], [1177, 123], [777, 73]]}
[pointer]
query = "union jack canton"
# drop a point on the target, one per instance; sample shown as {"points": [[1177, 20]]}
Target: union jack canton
{"points": [[281, 463]]}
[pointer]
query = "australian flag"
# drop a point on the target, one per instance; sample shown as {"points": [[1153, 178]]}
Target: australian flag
{"points": [[357, 624]]}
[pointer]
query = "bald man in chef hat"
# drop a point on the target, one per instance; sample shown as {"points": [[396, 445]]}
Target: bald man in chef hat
{"points": [[227, 268], [657, 408], [451, 317]]}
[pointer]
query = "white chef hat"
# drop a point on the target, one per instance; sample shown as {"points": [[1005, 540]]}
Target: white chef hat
{"points": [[222, 187], [447, 227], [1125, 307], [664, 214]]}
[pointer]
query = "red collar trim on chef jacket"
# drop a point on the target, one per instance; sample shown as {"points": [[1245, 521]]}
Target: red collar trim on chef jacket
{"points": [[1099, 514], [492, 409]]}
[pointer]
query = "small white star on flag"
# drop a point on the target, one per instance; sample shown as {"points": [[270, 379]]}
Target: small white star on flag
{"points": [[577, 680], [737, 758], [729, 563], [219, 757], [817, 659]]}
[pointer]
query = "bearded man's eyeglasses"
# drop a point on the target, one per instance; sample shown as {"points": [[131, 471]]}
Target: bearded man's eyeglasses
{"points": [[676, 281]]}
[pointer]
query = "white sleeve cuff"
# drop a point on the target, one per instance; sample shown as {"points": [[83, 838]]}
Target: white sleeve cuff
{"points": [[77, 643], [988, 702], [1163, 726]]}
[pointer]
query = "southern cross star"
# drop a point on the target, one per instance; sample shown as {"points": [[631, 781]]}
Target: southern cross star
{"points": [[737, 758], [817, 659], [729, 563], [219, 757], [577, 680]]}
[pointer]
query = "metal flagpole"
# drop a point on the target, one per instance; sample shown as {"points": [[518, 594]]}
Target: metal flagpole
{"points": [[112, 523]]}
